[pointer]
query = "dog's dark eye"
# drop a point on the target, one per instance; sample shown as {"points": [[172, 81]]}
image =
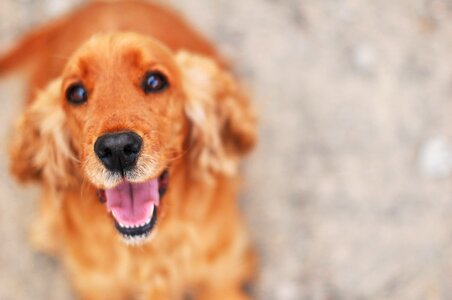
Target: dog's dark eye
{"points": [[154, 82], [76, 94]]}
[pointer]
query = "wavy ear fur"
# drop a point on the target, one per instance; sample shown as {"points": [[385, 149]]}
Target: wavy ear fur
{"points": [[222, 118], [40, 147]]}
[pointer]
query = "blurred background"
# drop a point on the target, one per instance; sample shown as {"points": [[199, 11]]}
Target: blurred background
{"points": [[349, 194]]}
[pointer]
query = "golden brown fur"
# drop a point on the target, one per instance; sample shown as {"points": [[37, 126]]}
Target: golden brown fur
{"points": [[199, 128]]}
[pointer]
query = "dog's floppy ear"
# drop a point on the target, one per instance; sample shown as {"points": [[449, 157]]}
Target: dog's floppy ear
{"points": [[40, 146], [223, 122]]}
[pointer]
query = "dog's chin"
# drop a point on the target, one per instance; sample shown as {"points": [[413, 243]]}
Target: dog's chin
{"points": [[134, 207]]}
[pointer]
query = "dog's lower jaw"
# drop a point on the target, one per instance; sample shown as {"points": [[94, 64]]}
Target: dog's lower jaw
{"points": [[136, 241], [137, 235], [134, 206]]}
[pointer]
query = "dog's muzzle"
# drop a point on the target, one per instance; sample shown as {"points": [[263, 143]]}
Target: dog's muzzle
{"points": [[133, 205]]}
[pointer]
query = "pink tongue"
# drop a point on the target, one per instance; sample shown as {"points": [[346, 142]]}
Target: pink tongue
{"points": [[133, 203]]}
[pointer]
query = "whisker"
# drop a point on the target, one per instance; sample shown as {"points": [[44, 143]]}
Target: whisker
{"points": [[84, 187], [185, 152]]}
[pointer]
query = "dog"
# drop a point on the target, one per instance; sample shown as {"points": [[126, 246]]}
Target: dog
{"points": [[133, 128]]}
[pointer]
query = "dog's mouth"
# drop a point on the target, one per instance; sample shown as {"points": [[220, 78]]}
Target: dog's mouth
{"points": [[134, 206]]}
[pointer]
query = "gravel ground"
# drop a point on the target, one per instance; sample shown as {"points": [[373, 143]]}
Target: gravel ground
{"points": [[349, 194]]}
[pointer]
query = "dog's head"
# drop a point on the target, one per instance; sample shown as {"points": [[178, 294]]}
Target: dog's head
{"points": [[123, 112]]}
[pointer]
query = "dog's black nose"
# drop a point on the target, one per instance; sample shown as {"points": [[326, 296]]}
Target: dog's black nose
{"points": [[118, 151]]}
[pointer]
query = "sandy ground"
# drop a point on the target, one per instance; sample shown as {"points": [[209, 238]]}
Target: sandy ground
{"points": [[349, 194]]}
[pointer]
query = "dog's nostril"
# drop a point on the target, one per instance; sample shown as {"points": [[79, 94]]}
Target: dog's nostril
{"points": [[108, 152], [131, 149], [128, 150], [104, 153]]}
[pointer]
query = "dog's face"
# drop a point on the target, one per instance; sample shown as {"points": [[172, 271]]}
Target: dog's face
{"points": [[123, 99], [125, 108]]}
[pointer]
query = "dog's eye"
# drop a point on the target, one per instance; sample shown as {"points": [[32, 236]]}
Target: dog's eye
{"points": [[154, 82], [76, 94]]}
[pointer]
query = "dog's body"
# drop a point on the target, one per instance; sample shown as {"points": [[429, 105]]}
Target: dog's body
{"points": [[195, 129]]}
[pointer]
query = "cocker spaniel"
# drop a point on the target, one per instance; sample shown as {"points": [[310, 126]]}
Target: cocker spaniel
{"points": [[133, 129]]}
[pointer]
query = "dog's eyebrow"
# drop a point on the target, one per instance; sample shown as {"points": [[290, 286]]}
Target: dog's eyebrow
{"points": [[85, 66], [134, 57]]}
